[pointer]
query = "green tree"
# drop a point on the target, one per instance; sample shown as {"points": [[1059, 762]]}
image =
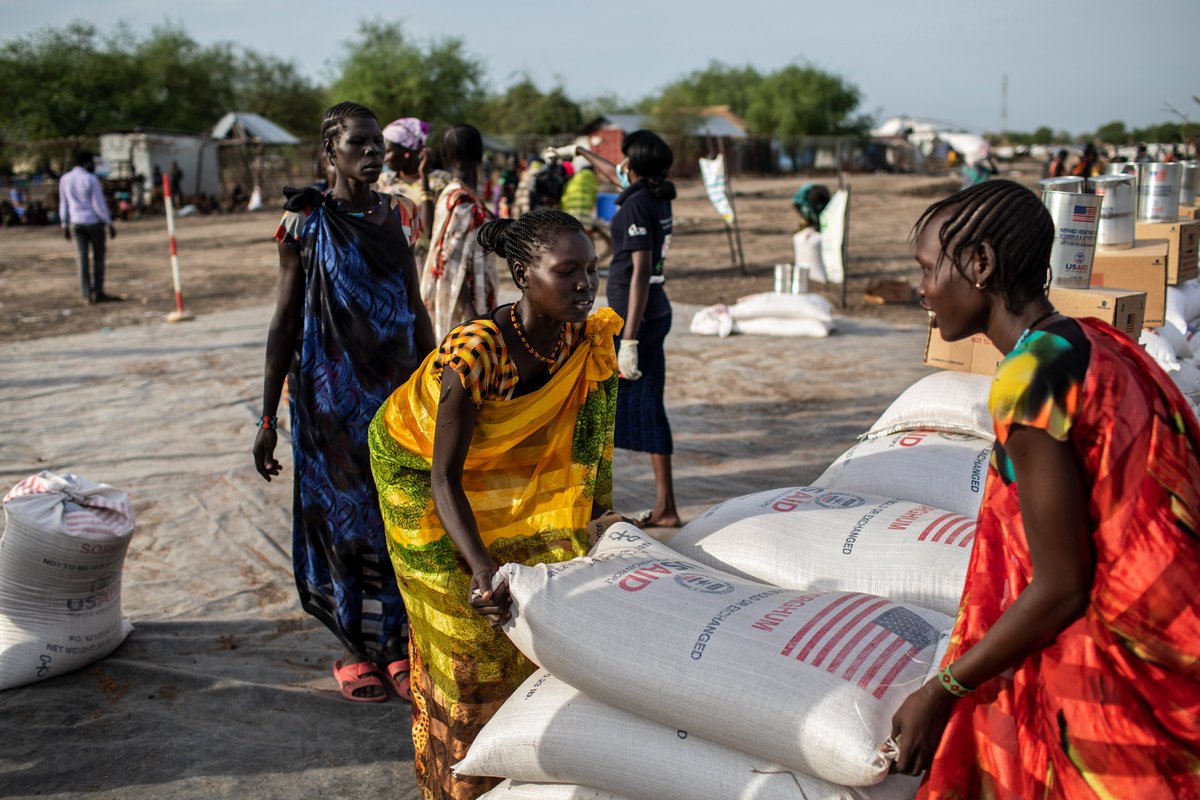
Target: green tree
{"points": [[1113, 133], [799, 101], [396, 76], [524, 110], [60, 83], [274, 88], [1043, 135], [180, 84], [716, 84]]}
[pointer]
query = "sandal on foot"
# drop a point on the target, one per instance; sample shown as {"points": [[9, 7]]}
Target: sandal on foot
{"points": [[354, 677], [398, 677]]}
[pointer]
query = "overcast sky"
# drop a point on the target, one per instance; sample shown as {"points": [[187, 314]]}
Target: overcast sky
{"points": [[1070, 64]]}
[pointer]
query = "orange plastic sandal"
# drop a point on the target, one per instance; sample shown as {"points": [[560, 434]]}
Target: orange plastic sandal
{"points": [[397, 674], [353, 677]]}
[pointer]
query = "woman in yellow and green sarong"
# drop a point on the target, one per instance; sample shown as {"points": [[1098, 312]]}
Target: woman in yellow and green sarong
{"points": [[497, 450]]}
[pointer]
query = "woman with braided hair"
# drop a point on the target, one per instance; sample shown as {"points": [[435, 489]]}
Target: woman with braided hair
{"points": [[497, 450], [458, 281], [349, 327], [1074, 666]]}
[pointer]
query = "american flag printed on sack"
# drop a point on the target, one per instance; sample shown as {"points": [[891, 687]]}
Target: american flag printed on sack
{"points": [[863, 639], [1084, 214], [947, 528]]}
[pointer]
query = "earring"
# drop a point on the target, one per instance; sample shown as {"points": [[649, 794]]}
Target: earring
{"points": [[979, 285]]}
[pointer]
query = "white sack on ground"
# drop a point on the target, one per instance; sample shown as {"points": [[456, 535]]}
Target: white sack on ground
{"points": [[806, 679], [944, 470], [1177, 309], [1187, 378], [811, 538], [517, 790], [956, 402], [806, 252], [775, 305], [549, 731], [767, 314], [61, 557], [1180, 346], [1158, 348], [1190, 289]]}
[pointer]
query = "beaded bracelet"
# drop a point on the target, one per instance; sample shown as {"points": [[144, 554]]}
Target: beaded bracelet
{"points": [[267, 422], [951, 684]]}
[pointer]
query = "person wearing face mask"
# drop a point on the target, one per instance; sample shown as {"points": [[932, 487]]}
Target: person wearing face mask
{"points": [[497, 450], [349, 326], [641, 237]]}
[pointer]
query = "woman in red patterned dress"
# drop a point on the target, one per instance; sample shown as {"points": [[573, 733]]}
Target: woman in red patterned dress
{"points": [[1073, 667]]}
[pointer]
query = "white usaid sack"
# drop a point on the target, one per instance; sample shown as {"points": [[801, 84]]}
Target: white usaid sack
{"points": [[944, 470], [61, 557], [808, 537], [809, 680], [1158, 348], [1187, 378], [956, 402], [777, 305], [1179, 343], [516, 790], [550, 732]]}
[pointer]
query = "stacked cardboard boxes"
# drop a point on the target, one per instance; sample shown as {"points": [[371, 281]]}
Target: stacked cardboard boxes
{"points": [[1123, 309]]}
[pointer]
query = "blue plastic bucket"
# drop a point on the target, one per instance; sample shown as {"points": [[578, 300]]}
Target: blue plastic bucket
{"points": [[606, 206]]}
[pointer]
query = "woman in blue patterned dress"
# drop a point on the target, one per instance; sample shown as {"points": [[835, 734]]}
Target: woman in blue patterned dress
{"points": [[349, 327]]}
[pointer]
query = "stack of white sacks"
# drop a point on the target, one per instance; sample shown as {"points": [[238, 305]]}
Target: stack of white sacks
{"points": [[768, 314], [762, 651], [1175, 346]]}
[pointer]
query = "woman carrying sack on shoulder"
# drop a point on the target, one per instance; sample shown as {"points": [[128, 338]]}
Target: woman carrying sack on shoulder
{"points": [[1072, 669], [497, 450]]}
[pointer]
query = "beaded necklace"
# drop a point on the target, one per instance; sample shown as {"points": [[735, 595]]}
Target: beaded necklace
{"points": [[547, 360]]}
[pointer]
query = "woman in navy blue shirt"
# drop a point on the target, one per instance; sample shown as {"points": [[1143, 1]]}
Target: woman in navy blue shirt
{"points": [[641, 236]]}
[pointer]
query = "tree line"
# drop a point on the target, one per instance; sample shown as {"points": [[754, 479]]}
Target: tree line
{"points": [[76, 81], [1114, 133], [71, 82]]}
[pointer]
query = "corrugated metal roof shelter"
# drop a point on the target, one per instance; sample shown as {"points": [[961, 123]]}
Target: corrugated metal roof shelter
{"points": [[255, 127]]}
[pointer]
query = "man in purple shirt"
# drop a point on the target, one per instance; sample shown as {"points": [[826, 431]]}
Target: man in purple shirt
{"points": [[84, 213]]}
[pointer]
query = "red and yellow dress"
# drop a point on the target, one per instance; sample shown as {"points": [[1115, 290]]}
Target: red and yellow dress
{"points": [[1111, 707]]}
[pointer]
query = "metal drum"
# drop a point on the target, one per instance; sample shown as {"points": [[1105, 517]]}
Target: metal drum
{"points": [[1076, 220], [1116, 231], [1188, 183], [1120, 168], [1064, 184], [1158, 191]]}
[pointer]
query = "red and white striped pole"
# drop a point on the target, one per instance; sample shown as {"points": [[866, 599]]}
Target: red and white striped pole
{"points": [[178, 315]]}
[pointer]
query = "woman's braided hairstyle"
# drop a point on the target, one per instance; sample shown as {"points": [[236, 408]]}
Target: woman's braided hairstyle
{"points": [[1014, 221], [521, 240], [333, 121]]}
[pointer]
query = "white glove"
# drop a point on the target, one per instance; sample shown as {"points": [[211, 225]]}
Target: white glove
{"points": [[550, 155], [566, 152], [627, 360]]}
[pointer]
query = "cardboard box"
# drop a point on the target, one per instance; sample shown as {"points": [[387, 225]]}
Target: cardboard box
{"points": [[1142, 268], [1188, 213], [1183, 247], [1124, 310], [976, 354]]}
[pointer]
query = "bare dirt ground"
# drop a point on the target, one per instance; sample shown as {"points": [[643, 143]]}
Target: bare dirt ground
{"points": [[224, 688], [229, 261]]}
